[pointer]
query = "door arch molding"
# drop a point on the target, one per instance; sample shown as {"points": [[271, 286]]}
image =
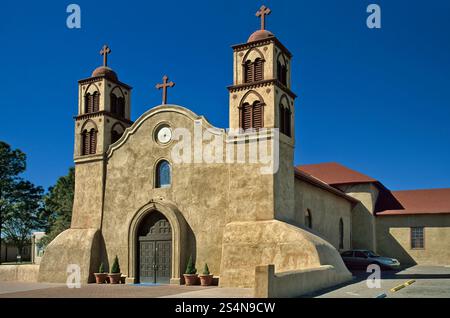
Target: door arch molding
{"points": [[179, 233]]}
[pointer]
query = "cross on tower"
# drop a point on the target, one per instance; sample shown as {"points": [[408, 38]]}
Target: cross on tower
{"points": [[262, 12], [164, 86], [105, 51]]}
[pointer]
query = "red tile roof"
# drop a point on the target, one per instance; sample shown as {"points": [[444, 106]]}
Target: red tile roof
{"points": [[334, 173], [319, 183], [433, 201]]}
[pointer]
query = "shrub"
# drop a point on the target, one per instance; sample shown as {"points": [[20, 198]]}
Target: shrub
{"points": [[115, 269], [206, 270], [190, 268], [102, 268]]}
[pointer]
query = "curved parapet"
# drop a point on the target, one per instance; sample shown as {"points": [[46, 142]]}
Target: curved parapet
{"points": [[247, 245], [81, 247]]}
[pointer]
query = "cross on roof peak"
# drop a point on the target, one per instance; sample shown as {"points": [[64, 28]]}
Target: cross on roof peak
{"points": [[262, 12], [164, 86], [105, 51]]}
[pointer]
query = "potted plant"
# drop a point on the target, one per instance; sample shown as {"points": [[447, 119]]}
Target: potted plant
{"points": [[206, 278], [190, 275], [101, 276], [114, 276]]}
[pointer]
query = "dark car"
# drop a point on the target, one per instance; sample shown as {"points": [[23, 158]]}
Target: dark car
{"points": [[360, 259]]}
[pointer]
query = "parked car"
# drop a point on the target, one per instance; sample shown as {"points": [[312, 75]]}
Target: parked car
{"points": [[360, 259]]}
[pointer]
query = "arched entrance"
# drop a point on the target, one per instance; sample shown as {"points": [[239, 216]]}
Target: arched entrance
{"points": [[154, 240]]}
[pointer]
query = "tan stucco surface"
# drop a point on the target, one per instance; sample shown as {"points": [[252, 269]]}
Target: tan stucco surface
{"points": [[326, 210], [80, 247], [23, 273], [250, 244], [394, 238]]}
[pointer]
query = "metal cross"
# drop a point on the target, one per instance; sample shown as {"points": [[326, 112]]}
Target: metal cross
{"points": [[105, 51], [164, 86], [262, 12]]}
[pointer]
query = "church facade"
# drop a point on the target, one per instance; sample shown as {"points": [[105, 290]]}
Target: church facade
{"points": [[169, 186]]}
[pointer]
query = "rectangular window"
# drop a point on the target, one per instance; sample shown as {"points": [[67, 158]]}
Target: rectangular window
{"points": [[417, 238]]}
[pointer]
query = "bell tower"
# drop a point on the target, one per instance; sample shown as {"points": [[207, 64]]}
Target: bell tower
{"points": [[261, 95], [103, 110], [103, 116]]}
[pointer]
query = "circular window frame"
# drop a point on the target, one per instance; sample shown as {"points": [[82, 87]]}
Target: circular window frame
{"points": [[156, 130]]}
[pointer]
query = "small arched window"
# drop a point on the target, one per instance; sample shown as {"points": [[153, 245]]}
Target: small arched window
{"points": [[163, 174], [341, 234], [308, 219]]}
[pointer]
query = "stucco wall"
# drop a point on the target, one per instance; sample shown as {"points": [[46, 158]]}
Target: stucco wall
{"points": [[394, 238], [326, 210], [247, 245], [22, 273], [295, 283], [363, 221], [208, 196]]}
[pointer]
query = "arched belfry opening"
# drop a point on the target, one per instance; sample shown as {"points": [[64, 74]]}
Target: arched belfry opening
{"points": [[154, 249]]}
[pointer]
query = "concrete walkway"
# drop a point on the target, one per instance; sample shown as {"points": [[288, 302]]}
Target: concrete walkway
{"points": [[42, 290], [429, 282]]}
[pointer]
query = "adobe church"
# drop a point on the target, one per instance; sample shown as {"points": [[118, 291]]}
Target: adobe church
{"points": [[280, 233]]}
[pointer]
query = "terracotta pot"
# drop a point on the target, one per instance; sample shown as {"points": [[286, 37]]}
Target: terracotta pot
{"points": [[100, 278], [206, 280], [190, 279], [114, 278]]}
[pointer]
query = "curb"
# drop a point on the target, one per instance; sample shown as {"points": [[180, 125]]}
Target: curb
{"points": [[399, 287]]}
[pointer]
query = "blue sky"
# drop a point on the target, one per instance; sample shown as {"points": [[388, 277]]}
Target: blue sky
{"points": [[377, 101]]}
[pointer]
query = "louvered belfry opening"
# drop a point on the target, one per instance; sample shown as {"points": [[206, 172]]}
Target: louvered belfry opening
{"points": [[248, 69], [96, 102], [113, 99], [85, 143], [91, 102], [246, 116], [282, 73], [259, 70], [89, 142], [92, 141], [252, 116], [115, 136], [254, 71], [87, 103], [285, 120], [121, 106], [117, 105], [258, 115]]}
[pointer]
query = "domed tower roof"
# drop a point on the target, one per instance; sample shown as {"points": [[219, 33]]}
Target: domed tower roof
{"points": [[260, 35], [106, 72]]}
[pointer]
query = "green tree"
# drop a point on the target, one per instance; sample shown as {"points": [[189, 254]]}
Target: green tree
{"points": [[12, 164], [24, 213], [58, 203]]}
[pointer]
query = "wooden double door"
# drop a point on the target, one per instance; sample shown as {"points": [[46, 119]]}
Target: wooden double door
{"points": [[155, 254]]}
